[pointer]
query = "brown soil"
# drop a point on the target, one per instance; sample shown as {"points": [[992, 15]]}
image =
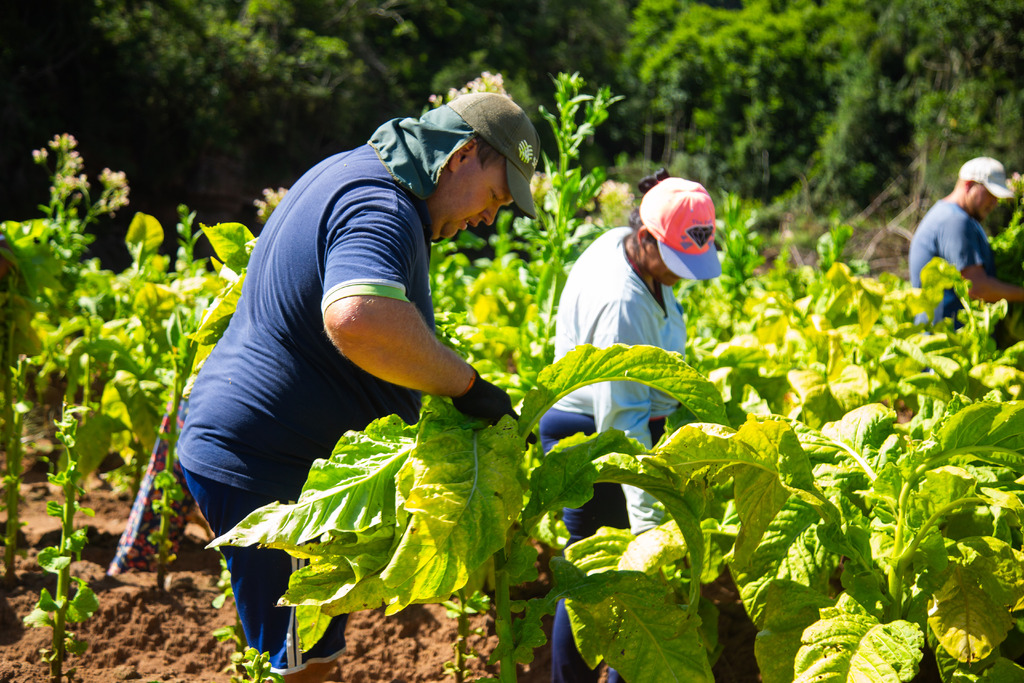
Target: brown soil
{"points": [[143, 634]]}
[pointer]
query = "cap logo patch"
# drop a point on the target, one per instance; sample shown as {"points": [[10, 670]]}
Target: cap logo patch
{"points": [[700, 234], [526, 152]]}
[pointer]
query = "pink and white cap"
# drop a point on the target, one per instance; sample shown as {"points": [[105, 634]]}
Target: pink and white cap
{"points": [[681, 215]]}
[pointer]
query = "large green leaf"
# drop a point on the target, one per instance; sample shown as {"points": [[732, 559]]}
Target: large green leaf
{"points": [[145, 237], [131, 401], [351, 492], [94, 434], [789, 551], [631, 621], [789, 609], [232, 242], [970, 614], [566, 475], [999, 376], [24, 338], [619, 549], [217, 316], [818, 404], [462, 491], [864, 427], [657, 368], [342, 575], [766, 461], [993, 432], [941, 365], [851, 387], [684, 500], [655, 548], [848, 644], [33, 254]]}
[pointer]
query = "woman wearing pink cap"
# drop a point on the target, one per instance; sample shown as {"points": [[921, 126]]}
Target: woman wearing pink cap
{"points": [[620, 292]]}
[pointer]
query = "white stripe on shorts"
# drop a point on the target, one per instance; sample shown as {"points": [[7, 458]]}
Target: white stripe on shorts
{"points": [[292, 649]]}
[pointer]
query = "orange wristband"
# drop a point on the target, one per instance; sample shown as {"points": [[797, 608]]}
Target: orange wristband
{"points": [[472, 381]]}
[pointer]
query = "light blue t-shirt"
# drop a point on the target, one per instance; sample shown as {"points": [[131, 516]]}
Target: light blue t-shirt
{"points": [[949, 232]]}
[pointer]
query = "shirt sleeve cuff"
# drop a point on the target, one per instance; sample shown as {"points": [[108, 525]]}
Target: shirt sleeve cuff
{"points": [[347, 289]]}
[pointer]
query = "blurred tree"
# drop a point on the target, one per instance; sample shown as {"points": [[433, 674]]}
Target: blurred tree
{"points": [[936, 84], [206, 102], [743, 95], [964, 66]]}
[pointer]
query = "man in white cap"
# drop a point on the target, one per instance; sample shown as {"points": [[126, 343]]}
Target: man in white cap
{"points": [[952, 231]]}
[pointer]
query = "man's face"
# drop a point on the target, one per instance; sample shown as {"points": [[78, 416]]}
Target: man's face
{"points": [[979, 201], [468, 193]]}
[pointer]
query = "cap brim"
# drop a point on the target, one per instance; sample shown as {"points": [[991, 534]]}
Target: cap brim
{"points": [[519, 187], [999, 191], [692, 266]]}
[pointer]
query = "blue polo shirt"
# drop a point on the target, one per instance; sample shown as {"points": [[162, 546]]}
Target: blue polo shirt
{"points": [[275, 393], [949, 232]]}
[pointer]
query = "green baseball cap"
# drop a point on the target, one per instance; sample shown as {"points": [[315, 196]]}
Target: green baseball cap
{"points": [[507, 128]]}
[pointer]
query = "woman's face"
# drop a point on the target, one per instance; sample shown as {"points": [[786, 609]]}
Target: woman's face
{"points": [[653, 263]]}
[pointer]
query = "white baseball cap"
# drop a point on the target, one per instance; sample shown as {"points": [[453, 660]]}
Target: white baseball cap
{"points": [[988, 172]]}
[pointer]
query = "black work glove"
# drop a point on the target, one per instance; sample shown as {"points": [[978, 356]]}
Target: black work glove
{"points": [[484, 400]]}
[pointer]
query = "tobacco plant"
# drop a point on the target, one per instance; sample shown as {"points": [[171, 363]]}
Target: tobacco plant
{"points": [[67, 604], [14, 413], [922, 533], [29, 269], [926, 549], [460, 608], [560, 234], [178, 325], [233, 633], [402, 514]]}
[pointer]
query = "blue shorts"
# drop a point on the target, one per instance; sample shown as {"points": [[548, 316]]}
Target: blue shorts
{"points": [[259, 576]]}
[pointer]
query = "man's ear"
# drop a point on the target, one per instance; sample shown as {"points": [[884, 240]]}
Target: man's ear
{"points": [[466, 152]]}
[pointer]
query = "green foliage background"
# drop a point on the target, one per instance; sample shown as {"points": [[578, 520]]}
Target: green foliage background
{"points": [[813, 106]]}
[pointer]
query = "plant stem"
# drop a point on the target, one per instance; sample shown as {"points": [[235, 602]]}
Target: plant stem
{"points": [[63, 583], [503, 619], [164, 540], [14, 384], [461, 639], [908, 554], [895, 574], [13, 501]]}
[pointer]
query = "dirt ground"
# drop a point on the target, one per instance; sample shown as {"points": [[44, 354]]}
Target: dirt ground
{"points": [[144, 634]]}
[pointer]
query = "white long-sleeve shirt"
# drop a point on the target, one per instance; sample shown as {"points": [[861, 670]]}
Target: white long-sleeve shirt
{"points": [[605, 302]]}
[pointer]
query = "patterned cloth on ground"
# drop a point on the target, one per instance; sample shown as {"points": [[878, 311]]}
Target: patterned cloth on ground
{"points": [[135, 550]]}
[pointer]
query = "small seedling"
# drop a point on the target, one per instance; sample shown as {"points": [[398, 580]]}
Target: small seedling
{"points": [[15, 469], [55, 611], [461, 609]]}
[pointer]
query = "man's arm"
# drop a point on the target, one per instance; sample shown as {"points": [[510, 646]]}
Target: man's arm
{"points": [[389, 339], [987, 288]]}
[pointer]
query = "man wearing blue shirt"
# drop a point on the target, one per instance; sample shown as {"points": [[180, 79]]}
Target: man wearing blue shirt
{"points": [[335, 328], [952, 231]]}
